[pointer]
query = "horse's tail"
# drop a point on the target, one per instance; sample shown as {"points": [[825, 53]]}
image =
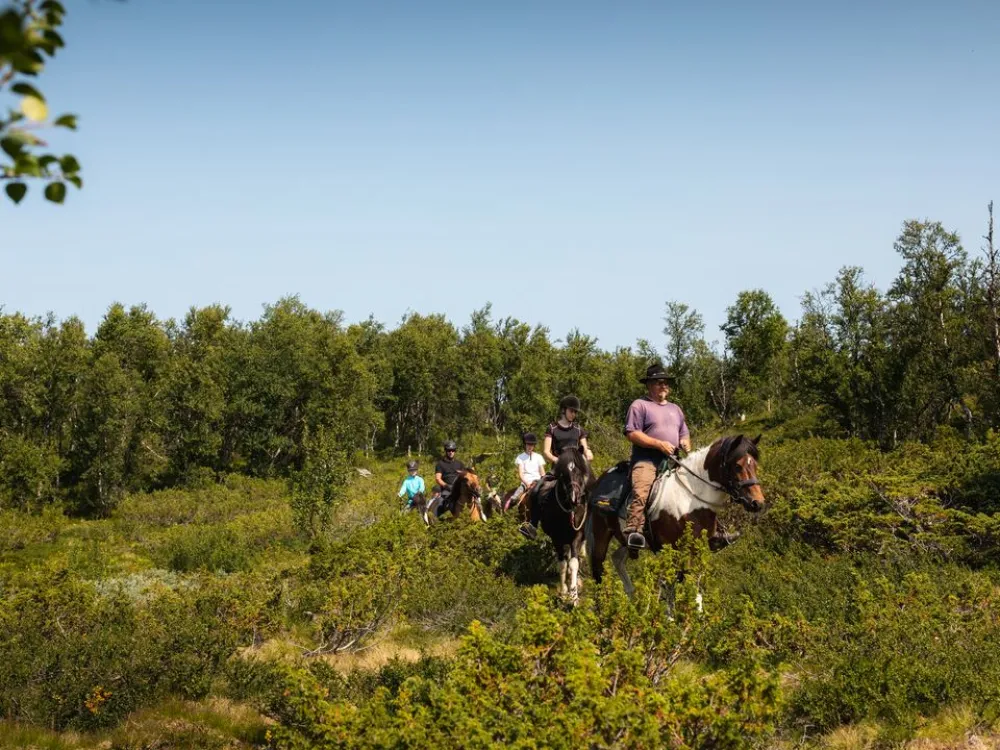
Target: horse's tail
{"points": [[588, 534]]}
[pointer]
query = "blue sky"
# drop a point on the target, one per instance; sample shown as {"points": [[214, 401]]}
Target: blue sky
{"points": [[575, 163]]}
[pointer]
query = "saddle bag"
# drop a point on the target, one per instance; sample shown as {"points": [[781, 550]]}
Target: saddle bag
{"points": [[608, 496]]}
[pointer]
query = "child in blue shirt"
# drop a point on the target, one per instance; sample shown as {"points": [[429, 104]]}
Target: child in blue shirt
{"points": [[412, 484]]}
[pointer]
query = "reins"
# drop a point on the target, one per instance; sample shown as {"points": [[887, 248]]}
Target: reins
{"points": [[570, 509], [732, 490]]}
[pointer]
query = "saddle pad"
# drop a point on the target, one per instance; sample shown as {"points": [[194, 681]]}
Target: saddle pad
{"points": [[610, 491]]}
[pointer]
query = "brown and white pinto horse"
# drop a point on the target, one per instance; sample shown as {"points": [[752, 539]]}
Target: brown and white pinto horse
{"points": [[724, 472], [465, 497]]}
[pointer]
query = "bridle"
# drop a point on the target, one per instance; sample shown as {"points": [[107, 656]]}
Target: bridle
{"points": [[733, 488], [573, 505]]}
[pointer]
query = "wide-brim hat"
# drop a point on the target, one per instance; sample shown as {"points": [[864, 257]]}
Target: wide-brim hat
{"points": [[659, 372]]}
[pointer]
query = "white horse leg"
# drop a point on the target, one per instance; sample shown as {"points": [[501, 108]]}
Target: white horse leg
{"points": [[698, 601], [563, 569], [574, 581], [618, 560]]}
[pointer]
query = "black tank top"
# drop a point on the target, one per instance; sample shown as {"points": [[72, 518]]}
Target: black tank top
{"points": [[565, 437]]}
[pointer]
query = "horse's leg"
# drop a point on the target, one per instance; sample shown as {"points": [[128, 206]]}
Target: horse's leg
{"points": [[618, 559], [703, 520], [574, 581], [599, 536], [563, 570]]}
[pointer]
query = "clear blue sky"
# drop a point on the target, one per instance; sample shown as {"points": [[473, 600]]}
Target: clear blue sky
{"points": [[576, 163]]}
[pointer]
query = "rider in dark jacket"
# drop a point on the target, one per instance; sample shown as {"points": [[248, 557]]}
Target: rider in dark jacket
{"points": [[446, 472]]}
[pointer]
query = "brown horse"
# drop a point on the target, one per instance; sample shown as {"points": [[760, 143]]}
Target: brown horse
{"points": [[465, 497], [706, 481]]}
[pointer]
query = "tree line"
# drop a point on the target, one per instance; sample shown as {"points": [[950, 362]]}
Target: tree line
{"points": [[146, 403]]}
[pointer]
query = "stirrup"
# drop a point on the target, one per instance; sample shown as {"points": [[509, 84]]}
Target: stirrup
{"points": [[635, 540], [722, 541], [527, 530]]}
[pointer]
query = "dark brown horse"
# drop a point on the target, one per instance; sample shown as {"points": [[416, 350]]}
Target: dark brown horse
{"points": [[563, 514], [694, 493]]}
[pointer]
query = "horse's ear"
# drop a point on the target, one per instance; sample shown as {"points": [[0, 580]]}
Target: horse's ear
{"points": [[756, 440]]}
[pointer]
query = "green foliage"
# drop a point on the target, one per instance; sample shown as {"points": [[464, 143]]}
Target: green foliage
{"points": [[607, 673], [76, 657], [28, 34], [316, 488]]}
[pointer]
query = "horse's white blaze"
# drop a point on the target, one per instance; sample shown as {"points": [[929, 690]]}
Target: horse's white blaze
{"points": [[681, 493]]}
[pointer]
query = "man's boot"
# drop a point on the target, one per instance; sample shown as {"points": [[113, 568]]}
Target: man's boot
{"points": [[721, 540], [529, 529], [635, 523]]}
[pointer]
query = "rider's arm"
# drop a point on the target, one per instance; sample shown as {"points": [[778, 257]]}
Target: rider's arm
{"points": [[439, 480], [640, 438], [402, 489], [547, 450], [587, 453], [685, 434]]}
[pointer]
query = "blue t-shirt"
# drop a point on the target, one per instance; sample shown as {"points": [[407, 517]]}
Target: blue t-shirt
{"points": [[411, 486]]}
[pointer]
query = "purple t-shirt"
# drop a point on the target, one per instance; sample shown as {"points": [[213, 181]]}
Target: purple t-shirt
{"points": [[659, 421]]}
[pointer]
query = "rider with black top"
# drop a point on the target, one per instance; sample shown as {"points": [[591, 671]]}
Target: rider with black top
{"points": [[564, 433], [446, 472]]}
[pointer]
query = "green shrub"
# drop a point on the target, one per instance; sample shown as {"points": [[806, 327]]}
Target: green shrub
{"points": [[75, 657], [606, 673]]}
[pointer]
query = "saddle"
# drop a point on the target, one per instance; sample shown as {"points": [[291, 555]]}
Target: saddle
{"points": [[614, 488], [611, 491]]}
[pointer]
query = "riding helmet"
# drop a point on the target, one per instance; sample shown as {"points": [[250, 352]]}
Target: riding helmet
{"points": [[411, 465], [450, 446], [569, 402], [530, 439]]}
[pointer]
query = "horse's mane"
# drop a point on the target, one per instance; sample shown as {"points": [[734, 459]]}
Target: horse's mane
{"points": [[734, 448], [572, 455]]}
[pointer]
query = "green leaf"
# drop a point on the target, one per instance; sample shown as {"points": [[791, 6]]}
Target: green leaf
{"points": [[53, 38], [27, 164], [46, 160], [26, 89], [34, 108], [56, 191], [69, 164], [16, 191], [27, 61], [11, 32], [12, 146], [76, 180], [53, 6], [66, 121]]}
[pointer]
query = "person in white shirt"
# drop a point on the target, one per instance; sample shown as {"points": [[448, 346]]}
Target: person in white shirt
{"points": [[530, 468]]}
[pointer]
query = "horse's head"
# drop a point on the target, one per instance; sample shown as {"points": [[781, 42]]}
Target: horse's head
{"points": [[420, 502], [732, 463], [572, 472], [471, 481]]}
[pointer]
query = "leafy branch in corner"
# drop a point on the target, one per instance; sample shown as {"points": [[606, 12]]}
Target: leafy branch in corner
{"points": [[28, 34]]}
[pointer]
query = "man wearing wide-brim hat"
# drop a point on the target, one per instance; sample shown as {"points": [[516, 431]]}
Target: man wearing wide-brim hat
{"points": [[656, 427]]}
